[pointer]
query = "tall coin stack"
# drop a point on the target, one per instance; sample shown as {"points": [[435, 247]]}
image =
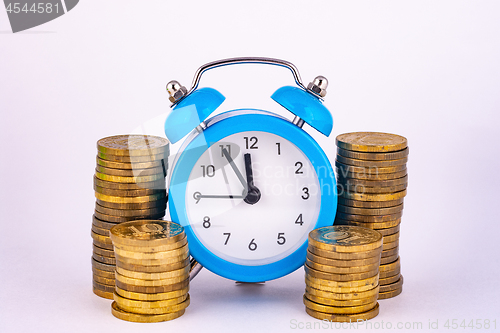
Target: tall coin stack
{"points": [[129, 184], [372, 182], [342, 273], [152, 271]]}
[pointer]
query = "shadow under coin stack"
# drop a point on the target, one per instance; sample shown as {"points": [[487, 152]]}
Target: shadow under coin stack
{"points": [[129, 184], [152, 271], [372, 182], [342, 273]]}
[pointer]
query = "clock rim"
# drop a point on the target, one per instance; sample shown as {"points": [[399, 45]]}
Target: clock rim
{"points": [[217, 128]]}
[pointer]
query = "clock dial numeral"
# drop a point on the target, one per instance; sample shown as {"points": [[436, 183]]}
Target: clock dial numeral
{"points": [[206, 222], [305, 196], [208, 170], [228, 234], [279, 147], [227, 147], [281, 238], [299, 166], [251, 143], [299, 220], [252, 246]]}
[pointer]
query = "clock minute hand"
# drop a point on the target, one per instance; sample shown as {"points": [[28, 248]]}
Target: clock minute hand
{"points": [[236, 171], [198, 196], [253, 195]]}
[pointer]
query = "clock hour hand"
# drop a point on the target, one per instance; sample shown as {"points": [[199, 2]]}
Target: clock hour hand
{"points": [[236, 171], [198, 196], [253, 195]]}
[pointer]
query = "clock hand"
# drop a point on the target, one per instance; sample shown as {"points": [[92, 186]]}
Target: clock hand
{"points": [[235, 169], [253, 195], [198, 196]]}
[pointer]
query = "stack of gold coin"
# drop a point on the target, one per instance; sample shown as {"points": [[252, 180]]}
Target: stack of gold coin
{"points": [[152, 271], [129, 184], [372, 182], [342, 273]]}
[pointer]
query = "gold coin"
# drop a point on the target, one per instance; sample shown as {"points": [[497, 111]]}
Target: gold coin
{"points": [[334, 302], [344, 318], [386, 274], [371, 142], [371, 225], [345, 255], [100, 231], [390, 294], [152, 297], [340, 277], [103, 287], [366, 283], [103, 294], [128, 200], [104, 281], [371, 170], [370, 176], [392, 286], [149, 283], [127, 212], [143, 318], [391, 238], [345, 239], [341, 270], [128, 180], [349, 296], [165, 309], [340, 290], [152, 255], [133, 145], [342, 263], [104, 259], [120, 219], [130, 173], [101, 239], [184, 272], [388, 246], [369, 218], [147, 233], [153, 249], [152, 262], [390, 253], [391, 266], [155, 268], [374, 183], [133, 159], [336, 309], [130, 166], [158, 204], [102, 224], [152, 290], [370, 204], [128, 193], [129, 304], [388, 260], [374, 156], [156, 185], [343, 187], [104, 274], [375, 197], [389, 280], [369, 164], [389, 231], [103, 267]]}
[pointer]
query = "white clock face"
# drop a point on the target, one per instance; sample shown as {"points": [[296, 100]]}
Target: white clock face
{"points": [[259, 223]]}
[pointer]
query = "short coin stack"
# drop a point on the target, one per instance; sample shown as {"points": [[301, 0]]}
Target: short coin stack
{"points": [[129, 184], [342, 273], [372, 182], [152, 271]]}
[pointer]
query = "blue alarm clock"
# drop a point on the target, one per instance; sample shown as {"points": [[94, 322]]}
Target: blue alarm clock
{"points": [[249, 185]]}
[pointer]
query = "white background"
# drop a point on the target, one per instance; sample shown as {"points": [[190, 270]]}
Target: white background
{"points": [[428, 70]]}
